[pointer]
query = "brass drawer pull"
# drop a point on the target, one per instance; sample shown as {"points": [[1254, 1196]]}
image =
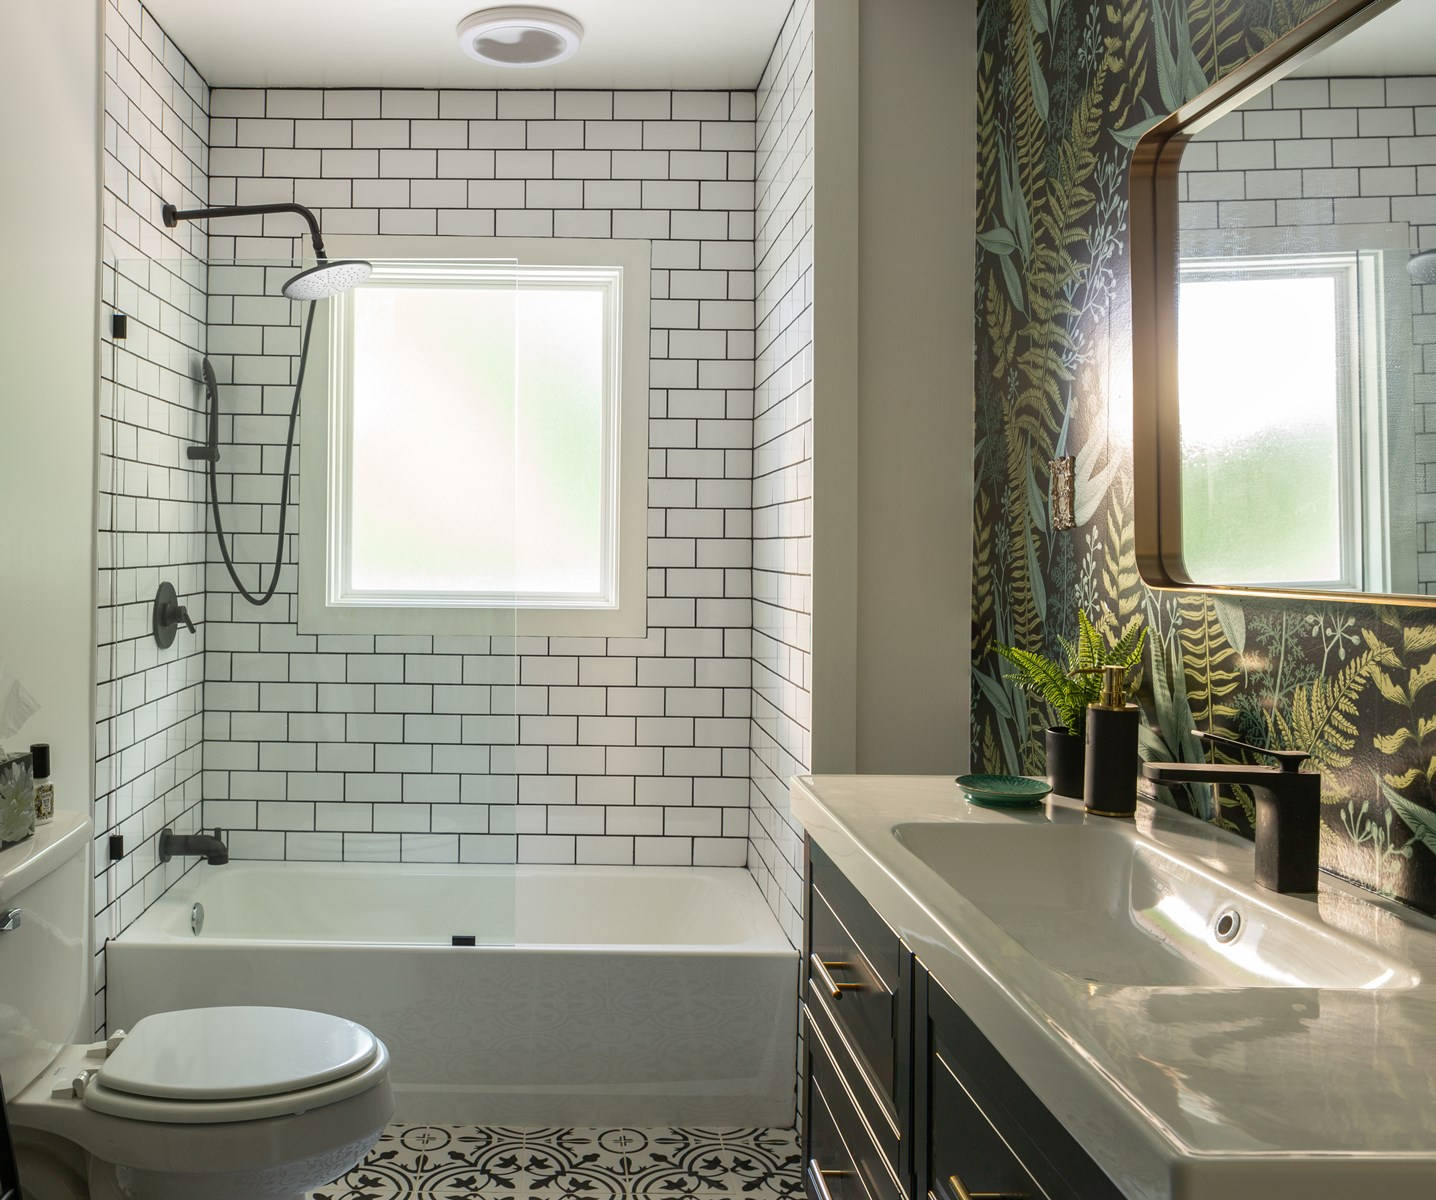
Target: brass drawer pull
{"points": [[819, 1179], [823, 971], [960, 1191]]}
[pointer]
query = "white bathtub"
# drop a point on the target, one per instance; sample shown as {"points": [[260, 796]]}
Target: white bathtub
{"points": [[597, 995]]}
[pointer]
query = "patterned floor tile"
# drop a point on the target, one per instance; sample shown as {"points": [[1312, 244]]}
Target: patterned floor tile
{"points": [[442, 1162]]}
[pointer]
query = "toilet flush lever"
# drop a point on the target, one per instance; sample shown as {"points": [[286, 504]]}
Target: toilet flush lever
{"points": [[11, 919]]}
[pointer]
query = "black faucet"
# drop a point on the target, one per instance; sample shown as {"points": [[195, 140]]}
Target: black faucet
{"points": [[211, 849], [1288, 808]]}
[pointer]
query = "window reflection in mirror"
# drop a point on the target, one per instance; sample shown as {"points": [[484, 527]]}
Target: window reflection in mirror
{"points": [[1307, 344]]}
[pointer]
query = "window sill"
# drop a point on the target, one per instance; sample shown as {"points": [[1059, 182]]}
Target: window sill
{"points": [[626, 621]]}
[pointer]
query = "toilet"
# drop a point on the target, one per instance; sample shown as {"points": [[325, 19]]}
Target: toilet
{"points": [[239, 1103]]}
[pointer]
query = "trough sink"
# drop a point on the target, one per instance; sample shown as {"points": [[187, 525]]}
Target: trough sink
{"points": [[1097, 902]]}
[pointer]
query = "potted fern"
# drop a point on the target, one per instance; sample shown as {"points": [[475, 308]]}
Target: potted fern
{"points": [[1068, 685]]}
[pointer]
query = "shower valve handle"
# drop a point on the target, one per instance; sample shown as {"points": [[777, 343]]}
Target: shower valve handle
{"points": [[169, 615]]}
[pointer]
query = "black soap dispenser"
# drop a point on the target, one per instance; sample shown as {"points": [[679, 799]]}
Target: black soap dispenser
{"points": [[1110, 775]]}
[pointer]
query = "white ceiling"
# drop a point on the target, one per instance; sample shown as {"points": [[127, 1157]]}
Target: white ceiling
{"points": [[1401, 41], [412, 43]]}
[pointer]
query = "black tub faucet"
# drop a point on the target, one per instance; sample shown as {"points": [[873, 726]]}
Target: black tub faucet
{"points": [[211, 849], [1288, 808]]}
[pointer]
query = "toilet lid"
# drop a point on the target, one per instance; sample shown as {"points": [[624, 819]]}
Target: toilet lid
{"points": [[236, 1053]]}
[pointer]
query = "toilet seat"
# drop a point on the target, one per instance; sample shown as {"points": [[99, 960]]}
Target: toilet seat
{"points": [[214, 1065]]}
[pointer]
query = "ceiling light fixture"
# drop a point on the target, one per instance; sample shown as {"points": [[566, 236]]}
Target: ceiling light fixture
{"points": [[520, 36]]}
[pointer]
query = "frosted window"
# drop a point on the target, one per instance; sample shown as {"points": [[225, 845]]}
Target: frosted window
{"points": [[1266, 431], [480, 436]]}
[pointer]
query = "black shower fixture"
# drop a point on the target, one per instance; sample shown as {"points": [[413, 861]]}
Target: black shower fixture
{"points": [[315, 283], [318, 282]]}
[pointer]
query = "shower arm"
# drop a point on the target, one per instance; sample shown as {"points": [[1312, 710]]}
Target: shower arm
{"points": [[173, 216]]}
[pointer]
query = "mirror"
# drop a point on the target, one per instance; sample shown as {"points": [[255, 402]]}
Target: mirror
{"points": [[1292, 352]]}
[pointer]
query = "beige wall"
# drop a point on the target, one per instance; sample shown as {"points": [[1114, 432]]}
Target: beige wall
{"points": [[49, 228], [836, 230], [915, 425], [892, 518]]}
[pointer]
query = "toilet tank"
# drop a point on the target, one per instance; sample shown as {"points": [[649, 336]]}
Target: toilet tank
{"points": [[44, 955]]}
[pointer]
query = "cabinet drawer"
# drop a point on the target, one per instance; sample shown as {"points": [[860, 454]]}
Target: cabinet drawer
{"points": [[874, 1109], [851, 989], [967, 1152], [830, 1172], [838, 1134], [878, 943], [982, 1125], [853, 965]]}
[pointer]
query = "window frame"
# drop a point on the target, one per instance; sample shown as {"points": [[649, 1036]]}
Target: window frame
{"points": [[1378, 510], [327, 605], [1343, 270]]}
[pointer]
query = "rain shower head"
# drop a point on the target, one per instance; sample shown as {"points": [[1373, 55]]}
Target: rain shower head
{"points": [[327, 279], [1423, 267], [319, 282]]}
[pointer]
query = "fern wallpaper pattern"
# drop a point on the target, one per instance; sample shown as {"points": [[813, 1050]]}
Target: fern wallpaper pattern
{"points": [[1065, 89]]}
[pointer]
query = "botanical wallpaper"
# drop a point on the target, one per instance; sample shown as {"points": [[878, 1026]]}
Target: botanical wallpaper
{"points": [[1065, 88]]}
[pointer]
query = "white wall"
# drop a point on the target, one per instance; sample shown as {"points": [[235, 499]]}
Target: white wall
{"points": [[781, 740], [151, 515], [49, 223], [917, 202], [451, 748]]}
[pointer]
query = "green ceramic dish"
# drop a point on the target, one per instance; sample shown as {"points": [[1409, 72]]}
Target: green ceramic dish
{"points": [[1004, 791]]}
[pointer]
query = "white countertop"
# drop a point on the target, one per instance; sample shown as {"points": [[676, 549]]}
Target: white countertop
{"points": [[1177, 1092]]}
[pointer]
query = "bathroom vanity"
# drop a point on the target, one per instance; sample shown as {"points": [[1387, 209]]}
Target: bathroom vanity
{"points": [[1040, 1003], [904, 1096]]}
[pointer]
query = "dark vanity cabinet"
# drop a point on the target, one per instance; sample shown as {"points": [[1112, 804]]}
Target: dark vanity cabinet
{"points": [[904, 1099]]}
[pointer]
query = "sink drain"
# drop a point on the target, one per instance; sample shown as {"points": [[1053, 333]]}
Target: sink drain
{"points": [[1227, 925], [196, 918]]}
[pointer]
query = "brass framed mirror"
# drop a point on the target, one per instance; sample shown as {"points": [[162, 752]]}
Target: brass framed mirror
{"points": [[1283, 230]]}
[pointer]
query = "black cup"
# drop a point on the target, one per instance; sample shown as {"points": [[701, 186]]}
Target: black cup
{"points": [[1066, 759]]}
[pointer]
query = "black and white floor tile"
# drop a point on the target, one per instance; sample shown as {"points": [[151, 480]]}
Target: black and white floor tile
{"points": [[447, 1162]]}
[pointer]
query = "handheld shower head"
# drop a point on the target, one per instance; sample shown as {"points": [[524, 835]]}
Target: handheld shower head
{"points": [[327, 279]]}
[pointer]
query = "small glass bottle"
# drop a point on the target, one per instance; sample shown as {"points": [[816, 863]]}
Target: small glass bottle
{"points": [[44, 789]]}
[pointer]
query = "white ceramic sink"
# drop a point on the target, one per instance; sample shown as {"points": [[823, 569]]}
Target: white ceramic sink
{"points": [[1095, 902]]}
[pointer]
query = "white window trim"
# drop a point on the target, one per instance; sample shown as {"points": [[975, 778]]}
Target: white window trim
{"points": [[326, 605]]}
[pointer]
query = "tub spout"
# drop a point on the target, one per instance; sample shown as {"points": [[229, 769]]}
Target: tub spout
{"points": [[211, 849]]}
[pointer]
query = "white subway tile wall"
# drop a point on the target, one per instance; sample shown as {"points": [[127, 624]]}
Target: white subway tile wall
{"points": [[1345, 151], [148, 736], [477, 749], [783, 466]]}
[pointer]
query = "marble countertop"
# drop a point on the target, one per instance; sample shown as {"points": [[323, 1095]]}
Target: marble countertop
{"points": [[1189, 1092]]}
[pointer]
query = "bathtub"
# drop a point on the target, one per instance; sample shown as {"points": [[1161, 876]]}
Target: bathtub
{"points": [[593, 995]]}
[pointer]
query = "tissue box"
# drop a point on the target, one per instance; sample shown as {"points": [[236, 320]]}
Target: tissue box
{"points": [[17, 798]]}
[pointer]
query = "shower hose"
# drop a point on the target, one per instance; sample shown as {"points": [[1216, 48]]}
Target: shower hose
{"points": [[212, 388]]}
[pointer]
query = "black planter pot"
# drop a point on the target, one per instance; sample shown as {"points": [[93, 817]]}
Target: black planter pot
{"points": [[1066, 760]]}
